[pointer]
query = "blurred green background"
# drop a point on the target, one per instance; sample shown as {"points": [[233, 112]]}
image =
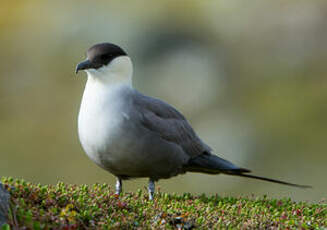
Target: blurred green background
{"points": [[249, 76]]}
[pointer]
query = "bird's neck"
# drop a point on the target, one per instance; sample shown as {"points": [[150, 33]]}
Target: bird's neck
{"points": [[118, 73]]}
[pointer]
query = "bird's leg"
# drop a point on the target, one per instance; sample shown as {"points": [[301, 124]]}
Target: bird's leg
{"points": [[151, 188], [118, 186]]}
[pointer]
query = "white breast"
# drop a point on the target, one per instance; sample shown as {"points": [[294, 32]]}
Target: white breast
{"points": [[100, 118]]}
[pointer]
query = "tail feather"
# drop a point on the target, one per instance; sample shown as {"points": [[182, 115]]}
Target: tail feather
{"points": [[212, 164], [270, 180]]}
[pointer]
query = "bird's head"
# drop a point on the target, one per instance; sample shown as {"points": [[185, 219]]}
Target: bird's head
{"points": [[106, 60]]}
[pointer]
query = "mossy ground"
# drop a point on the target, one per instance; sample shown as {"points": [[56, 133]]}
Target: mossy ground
{"points": [[63, 206]]}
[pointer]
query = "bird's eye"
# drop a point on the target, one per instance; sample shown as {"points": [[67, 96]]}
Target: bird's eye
{"points": [[104, 56]]}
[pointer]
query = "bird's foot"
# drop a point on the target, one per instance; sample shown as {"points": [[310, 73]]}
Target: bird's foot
{"points": [[151, 189], [119, 186]]}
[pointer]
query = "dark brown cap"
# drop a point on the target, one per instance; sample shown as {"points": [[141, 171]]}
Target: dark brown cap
{"points": [[99, 55]]}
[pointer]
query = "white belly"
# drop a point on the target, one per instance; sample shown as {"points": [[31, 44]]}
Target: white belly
{"points": [[112, 136], [100, 123]]}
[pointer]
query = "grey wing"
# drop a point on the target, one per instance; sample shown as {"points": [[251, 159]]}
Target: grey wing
{"points": [[164, 120]]}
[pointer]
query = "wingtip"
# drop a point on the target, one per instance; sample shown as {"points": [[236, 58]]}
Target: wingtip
{"points": [[244, 170]]}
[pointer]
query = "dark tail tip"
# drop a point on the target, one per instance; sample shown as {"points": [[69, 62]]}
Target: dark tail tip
{"points": [[243, 170], [270, 180]]}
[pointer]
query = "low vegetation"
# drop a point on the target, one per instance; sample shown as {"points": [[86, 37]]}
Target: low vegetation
{"points": [[63, 206]]}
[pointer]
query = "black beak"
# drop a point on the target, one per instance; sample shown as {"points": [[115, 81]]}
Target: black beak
{"points": [[83, 65]]}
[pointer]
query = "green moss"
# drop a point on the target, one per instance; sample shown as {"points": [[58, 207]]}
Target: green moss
{"points": [[96, 206]]}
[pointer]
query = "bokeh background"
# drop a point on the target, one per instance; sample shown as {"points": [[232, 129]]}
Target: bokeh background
{"points": [[249, 76]]}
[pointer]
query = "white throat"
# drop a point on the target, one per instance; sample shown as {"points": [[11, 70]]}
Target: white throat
{"points": [[118, 72], [102, 105]]}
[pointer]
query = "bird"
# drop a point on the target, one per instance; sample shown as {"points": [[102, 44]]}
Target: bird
{"points": [[132, 135]]}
